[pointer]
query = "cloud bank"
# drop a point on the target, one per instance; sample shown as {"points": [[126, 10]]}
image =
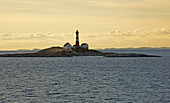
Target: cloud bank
{"points": [[115, 38]]}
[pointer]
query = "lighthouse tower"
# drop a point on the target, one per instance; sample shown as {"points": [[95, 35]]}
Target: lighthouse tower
{"points": [[77, 38]]}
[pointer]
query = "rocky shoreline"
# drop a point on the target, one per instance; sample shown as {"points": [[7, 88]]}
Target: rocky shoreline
{"points": [[129, 55], [61, 52]]}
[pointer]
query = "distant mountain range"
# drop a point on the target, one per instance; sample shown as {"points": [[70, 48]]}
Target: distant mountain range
{"points": [[141, 48], [35, 49], [21, 50]]}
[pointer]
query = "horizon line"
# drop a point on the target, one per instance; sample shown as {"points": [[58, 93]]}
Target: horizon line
{"points": [[34, 49]]}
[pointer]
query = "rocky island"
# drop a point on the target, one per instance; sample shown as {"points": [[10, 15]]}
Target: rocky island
{"points": [[62, 52]]}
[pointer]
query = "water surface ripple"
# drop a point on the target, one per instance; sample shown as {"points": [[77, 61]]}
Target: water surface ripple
{"points": [[85, 79]]}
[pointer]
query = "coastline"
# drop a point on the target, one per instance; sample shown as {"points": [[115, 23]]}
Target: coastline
{"points": [[61, 52]]}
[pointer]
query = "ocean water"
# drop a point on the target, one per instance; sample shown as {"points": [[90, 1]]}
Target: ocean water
{"points": [[85, 79]]}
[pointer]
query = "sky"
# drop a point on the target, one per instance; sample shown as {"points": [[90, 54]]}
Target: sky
{"points": [[29, 24]]}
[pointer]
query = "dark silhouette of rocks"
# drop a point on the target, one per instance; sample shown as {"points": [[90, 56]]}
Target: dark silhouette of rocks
{"points": [[129, 55], [61, 52]]}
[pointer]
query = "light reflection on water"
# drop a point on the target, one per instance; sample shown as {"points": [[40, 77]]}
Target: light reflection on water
{"points": [[85, 79]]}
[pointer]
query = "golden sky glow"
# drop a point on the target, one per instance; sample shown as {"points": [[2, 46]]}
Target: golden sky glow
{"points": [[27, 24]]}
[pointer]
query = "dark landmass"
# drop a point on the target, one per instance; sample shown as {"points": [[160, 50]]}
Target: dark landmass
{"points": [[49, 52], [61, 52], [129, 55], [141, 48]]}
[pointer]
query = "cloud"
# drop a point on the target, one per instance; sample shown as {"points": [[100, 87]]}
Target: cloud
{"points": [[146, 33], [115, 38], [29, 36], [162, 31], [91, 35], [138, 38], [128, 3], [159, 32], [117, 33], [37, 2], [33, 6]]}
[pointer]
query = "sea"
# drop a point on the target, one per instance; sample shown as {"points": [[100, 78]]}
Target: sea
{"points": [[86, 79]]}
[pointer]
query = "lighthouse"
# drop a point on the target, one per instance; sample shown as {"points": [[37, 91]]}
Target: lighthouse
{"points": [[77, 38], [77, 47]]}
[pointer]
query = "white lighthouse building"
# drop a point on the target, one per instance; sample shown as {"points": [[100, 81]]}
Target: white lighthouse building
{"points": [[85, 46], [67, 46]]}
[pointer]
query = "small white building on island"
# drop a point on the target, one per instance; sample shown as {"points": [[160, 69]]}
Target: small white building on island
{"points": [[67, 46], [85, 45]]}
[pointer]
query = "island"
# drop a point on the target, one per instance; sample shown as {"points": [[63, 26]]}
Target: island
{"points": [[62, 52]]}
